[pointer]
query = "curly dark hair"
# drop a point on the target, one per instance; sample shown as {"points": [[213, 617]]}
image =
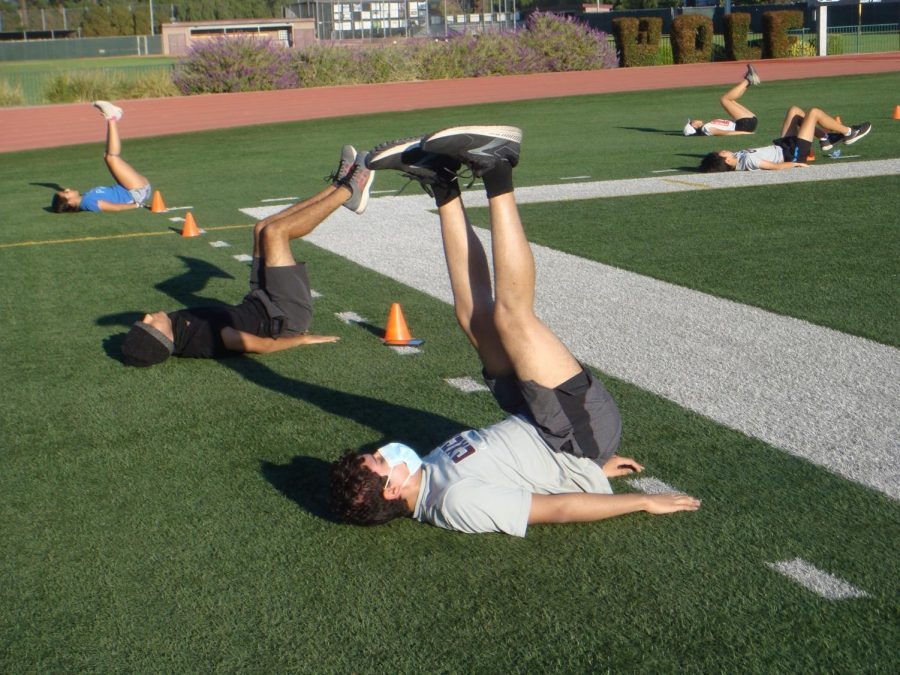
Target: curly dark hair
{"points": [[357, 493], [714, 163]]}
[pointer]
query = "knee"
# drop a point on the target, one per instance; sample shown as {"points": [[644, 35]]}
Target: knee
{"points": [[511, 320], [816, 113], [272, 234], [258, 230]]}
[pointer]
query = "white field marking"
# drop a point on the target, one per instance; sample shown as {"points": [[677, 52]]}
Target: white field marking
{"points": [[574, 177], [219, 244], [314, 293], [243, 257], [383, 192], [404, 350], [665, 170], [843, 156], [280, 199], [818, 581], [177, 219], [831, 398], [178, 208], [652, 486], [466, 384], [350, 317]]}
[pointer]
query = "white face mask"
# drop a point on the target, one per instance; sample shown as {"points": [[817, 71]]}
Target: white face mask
{"points": [[397, 453]]}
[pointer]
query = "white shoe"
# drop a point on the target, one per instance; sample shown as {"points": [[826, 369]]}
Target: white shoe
{"points": [[110, 111]]}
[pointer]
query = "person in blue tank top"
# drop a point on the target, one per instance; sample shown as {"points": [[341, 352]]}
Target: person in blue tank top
{"points": [[131, 189]]}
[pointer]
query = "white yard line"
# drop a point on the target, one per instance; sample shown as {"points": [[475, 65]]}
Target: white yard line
{"points": [[818, 581]]}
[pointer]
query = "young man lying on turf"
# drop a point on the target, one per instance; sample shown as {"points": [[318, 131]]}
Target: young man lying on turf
{"points": [[791, 150], [550, 459], [742, 120], [277, 312], [131, 189]]}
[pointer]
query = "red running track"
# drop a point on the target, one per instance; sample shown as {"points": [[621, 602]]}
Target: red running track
{"points": [[49, 126]]}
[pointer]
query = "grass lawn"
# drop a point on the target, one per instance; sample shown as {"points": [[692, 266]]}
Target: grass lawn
{"points": [[176, 518]]}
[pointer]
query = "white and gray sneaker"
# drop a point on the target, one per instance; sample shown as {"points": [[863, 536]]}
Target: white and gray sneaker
{"points": [[344, 167], [359, 182], [752, 76], [110, 111]]}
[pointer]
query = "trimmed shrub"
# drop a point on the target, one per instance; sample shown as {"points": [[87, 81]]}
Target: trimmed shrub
{"points": [[10, 95], [149, 85], [800, 48], [324, 65], [692, 39], [83, 86], [235, 64], [737, 28], [386, 65], [440, 59], [776, 42], [637, 40]]}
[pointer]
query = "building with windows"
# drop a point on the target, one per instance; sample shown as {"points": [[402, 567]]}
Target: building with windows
{"points": [[293, 32]]}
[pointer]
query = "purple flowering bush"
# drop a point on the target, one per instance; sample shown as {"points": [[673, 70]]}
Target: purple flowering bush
{"points": [[562, 44], [235, 64], [548, 43]]}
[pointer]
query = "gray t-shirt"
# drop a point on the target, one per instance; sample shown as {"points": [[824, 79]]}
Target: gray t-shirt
{"points": [[749, 160], [482, 481]]}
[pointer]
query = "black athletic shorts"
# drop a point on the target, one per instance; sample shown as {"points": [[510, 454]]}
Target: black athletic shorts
{"points": [[287, 288], [746, 124], [579, 416], [794, 149]]}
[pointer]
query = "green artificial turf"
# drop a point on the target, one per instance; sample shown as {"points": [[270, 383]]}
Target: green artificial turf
{"points": [[175, 519]]}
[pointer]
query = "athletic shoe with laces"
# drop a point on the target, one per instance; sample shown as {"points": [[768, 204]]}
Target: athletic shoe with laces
{"points": [[752, 76], [110, 111], [829, 140], [359, 182], [406, 156], [479, 148], [857, 131], [344, 167]]}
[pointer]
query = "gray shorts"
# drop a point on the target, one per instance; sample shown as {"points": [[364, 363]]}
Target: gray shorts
{"points": [[285, 293], [579, 416], [141, 194]]}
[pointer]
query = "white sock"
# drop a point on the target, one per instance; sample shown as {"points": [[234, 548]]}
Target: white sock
{"points": [[849, 131]]}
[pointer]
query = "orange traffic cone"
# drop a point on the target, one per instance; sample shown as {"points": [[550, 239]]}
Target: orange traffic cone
{"points": [[190, 228], [158, 205], [811, 157], [396, 332], [896, 112]]}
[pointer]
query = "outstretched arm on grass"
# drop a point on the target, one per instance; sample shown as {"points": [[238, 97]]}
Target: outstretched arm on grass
{"points": [[239, 341], [580, 507]]}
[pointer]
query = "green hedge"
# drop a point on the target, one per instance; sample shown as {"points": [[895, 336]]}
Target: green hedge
{"points": [[692, 39], [737, 48], [637, 40], [776, 42]]}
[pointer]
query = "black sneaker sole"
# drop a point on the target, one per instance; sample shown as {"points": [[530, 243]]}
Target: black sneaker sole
{"points": [[479, 147]]}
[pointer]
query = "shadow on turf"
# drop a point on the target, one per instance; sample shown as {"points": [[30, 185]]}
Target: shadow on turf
{"points": [[651, 130], [305, 480]]}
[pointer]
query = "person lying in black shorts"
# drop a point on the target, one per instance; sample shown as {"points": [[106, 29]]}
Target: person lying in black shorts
{"points": [[792, 148], [277, 312]]}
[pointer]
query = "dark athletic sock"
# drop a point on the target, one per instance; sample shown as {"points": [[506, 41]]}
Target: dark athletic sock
{"points": [[498, 181], [445, 192]]}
